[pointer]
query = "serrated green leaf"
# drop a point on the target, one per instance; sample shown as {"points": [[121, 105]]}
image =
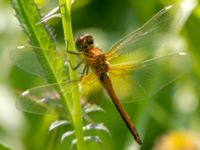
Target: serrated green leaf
{"points": [[59, 123], [99, 126], [97, 139], [88, 108], [66, 135], [40, 36]]}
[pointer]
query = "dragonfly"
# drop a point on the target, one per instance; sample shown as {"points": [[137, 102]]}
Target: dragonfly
{"points": [[127, 68]]}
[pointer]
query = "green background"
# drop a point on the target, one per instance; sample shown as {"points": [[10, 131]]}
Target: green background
{"points": [[172, 115]]}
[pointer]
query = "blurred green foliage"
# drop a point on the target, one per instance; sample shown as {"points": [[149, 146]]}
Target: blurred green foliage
{"points": [[174, 108]]}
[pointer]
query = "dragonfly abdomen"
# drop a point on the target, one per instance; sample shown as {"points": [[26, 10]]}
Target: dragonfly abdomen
{"points": [[106, 82]]}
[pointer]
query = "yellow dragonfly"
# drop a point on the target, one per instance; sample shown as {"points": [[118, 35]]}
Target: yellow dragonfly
{"points": [[125, 71]]}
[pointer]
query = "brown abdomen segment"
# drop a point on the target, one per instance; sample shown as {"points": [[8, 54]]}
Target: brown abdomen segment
{"points": [[106, 82]]}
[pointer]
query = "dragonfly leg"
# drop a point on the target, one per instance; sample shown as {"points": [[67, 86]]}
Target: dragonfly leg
{"points": [[75, 52], [74, 68], [85, 70]]}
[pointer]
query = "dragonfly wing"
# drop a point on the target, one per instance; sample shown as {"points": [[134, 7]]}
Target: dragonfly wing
{"points": [[92, 89], [148, 38], [144, 79], [26, 58], [47, 99]]}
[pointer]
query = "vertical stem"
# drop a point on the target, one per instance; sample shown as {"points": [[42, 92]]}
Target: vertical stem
{"points": [[76, 110]]}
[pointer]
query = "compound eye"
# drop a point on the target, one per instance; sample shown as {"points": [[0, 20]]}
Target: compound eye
{"points": [[91, 42], [84, 42], [80, 44]]}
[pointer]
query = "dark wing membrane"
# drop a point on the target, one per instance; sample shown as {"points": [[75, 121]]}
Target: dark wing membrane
{"points": [[145, 79], [46, 100], [25, 58], [147, 38]]}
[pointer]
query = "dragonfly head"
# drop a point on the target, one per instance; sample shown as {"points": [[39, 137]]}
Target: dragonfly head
{"points": [[84, 42]]}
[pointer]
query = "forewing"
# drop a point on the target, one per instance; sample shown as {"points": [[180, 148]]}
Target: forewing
{"points": [[148, 38], [138, 81], [25, 58]]}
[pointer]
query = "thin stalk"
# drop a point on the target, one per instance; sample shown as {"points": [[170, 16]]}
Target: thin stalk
{"points": [[76, 110]]}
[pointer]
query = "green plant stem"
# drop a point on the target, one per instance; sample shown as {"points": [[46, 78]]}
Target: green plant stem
{"points": [[75, 110]]}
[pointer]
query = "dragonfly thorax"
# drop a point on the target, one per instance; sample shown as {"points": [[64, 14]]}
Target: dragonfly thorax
{"points": [[96, 58]]}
